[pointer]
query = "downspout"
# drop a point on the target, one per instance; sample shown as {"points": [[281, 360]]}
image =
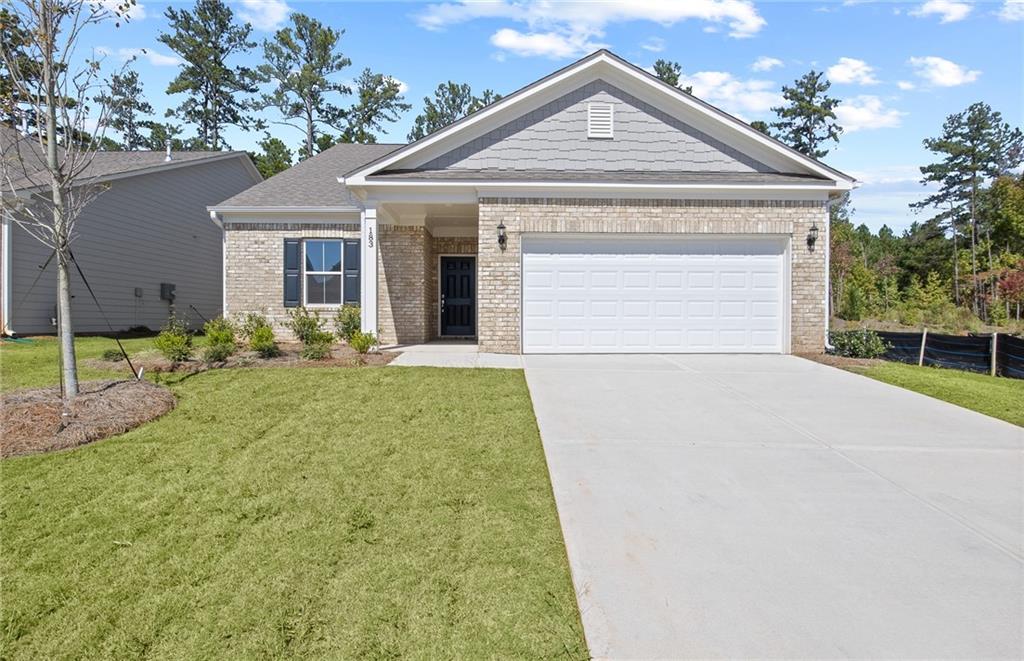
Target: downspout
{"points": [[6, 288]]}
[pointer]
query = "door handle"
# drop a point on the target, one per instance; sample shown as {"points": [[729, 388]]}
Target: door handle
{"points": [[442, 302]]}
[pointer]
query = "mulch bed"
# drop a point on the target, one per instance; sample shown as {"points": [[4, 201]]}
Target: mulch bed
{"points": [[841, 361], [31, 419], [152, 362]]}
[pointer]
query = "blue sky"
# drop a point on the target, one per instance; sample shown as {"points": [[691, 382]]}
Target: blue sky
{"points": [[900, 68]]}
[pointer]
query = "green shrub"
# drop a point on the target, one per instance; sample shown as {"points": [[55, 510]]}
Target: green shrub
{"points": [[346, 322], [305, 324], [261, 340], [362, 342], [857, 343], [220, 340], [174, 341], [112, 355], [251, 322], [317, 346]]}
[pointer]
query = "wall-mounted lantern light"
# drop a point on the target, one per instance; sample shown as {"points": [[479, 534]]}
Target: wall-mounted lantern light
{"points": [[812, 236], [502, 238]]}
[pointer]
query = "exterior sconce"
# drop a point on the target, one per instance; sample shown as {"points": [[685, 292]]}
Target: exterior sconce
{"points": [[812, 236], [502, 238]]}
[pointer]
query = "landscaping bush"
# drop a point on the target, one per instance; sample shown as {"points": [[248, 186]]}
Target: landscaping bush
{"points": [[857, 343], [317, 345], [305, 324], [346, 322], [112, 355], [252, 322], [362, 342], [261, 340], [220, 340], [174, 341]]}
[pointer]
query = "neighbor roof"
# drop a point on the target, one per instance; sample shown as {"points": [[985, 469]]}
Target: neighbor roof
{"points": [[105, 164], [311, 183]]}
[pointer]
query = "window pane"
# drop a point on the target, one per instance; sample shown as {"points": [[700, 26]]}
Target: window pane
{"points": [[332, 289], [332, 256], [315, 289], [314, 255]]}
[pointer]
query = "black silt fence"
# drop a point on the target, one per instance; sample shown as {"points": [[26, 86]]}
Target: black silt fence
{"points": [[971, 353]]}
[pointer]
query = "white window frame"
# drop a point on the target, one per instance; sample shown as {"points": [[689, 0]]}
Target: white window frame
{"points": [[340, 274]]}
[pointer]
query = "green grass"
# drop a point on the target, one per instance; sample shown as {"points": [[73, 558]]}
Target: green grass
{"points": [[316, 513], [995, 396], [33, 363]]}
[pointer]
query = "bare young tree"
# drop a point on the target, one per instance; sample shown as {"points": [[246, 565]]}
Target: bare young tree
{"points": [[45, 174]]}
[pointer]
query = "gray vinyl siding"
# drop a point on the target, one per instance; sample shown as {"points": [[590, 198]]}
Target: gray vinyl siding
{"points": [[554, 137], [143, 231]]}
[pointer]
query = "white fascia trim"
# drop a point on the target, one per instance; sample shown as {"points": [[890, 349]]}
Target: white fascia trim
{"points": [[358, 178], [593, 185], [278, 210]]}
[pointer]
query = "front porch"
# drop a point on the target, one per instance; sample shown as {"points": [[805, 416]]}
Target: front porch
{"points": [[423, 285]]}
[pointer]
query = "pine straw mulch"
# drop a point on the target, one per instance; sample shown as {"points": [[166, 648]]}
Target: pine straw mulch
{"points": [[842, 362], [30, 419], [153, 362]]}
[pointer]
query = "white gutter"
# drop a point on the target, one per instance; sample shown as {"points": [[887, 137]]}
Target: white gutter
{"points": [[6, 287], [284, 210]]}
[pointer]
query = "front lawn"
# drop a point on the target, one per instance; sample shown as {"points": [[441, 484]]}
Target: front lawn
{"points": [[995, 396], [32, 363], [308, 512]]}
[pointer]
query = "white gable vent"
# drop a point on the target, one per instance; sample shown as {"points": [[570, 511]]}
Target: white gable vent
{"points": [[600, 120]]}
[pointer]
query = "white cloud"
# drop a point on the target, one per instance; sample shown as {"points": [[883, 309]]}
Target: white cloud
{"points": [[1012, 10], [742, 98], [765, 63], [941, 72], [889, 174], [949, 11], [850, 70], [905, 85], [265, 15], [547, 44], [148, 54], [563, 29], [867, 112], [135, 12], [654, 44]]}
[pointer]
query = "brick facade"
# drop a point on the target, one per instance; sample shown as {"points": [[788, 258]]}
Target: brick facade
{"points": [[404, 266], [498, 271], [254, 263]]}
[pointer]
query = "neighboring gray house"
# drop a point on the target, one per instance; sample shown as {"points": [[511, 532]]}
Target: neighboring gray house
{"points": [[596, 210], [150, 227]]}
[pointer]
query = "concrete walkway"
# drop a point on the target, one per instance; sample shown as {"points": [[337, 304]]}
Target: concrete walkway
{"points": [[768, 506], [451, 354]]}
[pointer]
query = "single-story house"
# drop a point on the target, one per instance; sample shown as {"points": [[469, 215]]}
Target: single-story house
{"points": [[145, 244], [595, 210]]}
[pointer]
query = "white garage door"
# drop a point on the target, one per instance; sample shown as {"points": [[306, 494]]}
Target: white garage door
{"points": [[633, 294]]}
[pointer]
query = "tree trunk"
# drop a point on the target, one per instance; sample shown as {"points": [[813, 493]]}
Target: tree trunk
{"points": [[309, 132], [65, 330]]}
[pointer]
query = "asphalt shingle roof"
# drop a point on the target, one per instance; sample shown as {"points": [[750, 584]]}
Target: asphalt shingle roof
{"points": [[312, 182]]}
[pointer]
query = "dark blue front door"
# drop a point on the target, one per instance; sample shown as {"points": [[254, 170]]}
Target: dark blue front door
{"points": [[458, 296]]}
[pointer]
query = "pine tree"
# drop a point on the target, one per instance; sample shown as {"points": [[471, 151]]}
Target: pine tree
{"points": [[276, 157], [126, 106], [808, 120], [206, 38], [451, 103], [976, 146], [669, 72], [300, 61], [14, 43], [380, 100]]}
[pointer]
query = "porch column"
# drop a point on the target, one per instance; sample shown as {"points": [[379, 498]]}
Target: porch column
{"points": [[368, 275]]}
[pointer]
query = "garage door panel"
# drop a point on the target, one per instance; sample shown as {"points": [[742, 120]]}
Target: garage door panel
{"points": [[641, 294]]}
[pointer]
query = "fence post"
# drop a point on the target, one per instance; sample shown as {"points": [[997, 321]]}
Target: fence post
{"points": [[924, 338], [995, 342]]}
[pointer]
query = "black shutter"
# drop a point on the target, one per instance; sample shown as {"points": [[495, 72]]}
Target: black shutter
{"points": [[292, 273], [351, 278]]}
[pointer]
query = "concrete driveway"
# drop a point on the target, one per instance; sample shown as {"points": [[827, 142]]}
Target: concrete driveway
{"points": [[768, 506]]}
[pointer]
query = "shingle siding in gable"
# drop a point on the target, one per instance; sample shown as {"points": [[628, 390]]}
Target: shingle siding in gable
{"points": [[554, 137]]}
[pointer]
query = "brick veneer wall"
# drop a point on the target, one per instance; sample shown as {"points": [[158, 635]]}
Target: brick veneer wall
{"points": [[443, 245], [403, 276], [254, 259], [498, 272]]}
